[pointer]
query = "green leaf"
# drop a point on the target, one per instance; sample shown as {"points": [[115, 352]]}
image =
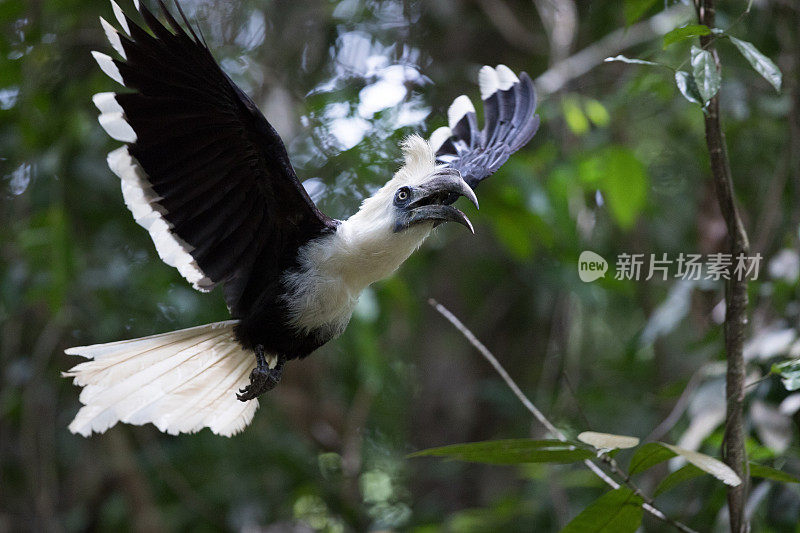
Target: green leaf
{"points": [[608, 441], [512, 451], [621, 177], [635, 9], [688, 87], [622, 59], [755, 451], [648, 456], [596, 112], [516, 227], [704, 462], [618, 511], [790, 373], [761, 63], [679, 34], [767, 472], [677, 477], [573, 115], [625, 185], [706, 75]]}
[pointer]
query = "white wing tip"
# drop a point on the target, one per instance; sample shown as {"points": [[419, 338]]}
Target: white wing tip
{"points": [[141, 201], [113, 37], [117, 127], [460, 107], [506, 77], [488, 81], [120, 16], [439, 136], [107, 65], [107, 103]]}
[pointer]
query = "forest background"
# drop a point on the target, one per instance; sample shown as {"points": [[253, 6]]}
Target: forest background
{"points": [[619, 166]]}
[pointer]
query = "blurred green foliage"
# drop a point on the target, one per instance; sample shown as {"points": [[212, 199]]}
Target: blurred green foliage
{"points": [[618, 166]]}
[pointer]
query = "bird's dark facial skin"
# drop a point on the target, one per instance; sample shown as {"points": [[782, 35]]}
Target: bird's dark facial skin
{"points": [[430, 201]]}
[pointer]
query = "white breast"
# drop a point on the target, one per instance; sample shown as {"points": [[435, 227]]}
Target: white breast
{"points": [[336, 268]]}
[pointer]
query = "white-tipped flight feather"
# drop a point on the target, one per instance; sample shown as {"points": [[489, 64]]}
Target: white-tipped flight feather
{"points": [[180, 381], [141, 200], [120, 16], [117, 127], [506, 77], [488, 81], [107, 103], [460, 107], [107, 65], [439, 136], [113, 37]]}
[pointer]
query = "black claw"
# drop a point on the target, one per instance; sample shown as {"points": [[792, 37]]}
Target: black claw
{"points": [[262, 378]]}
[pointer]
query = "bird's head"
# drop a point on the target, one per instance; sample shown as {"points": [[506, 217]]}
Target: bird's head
{"points": [[430, 201], [419, 194]]}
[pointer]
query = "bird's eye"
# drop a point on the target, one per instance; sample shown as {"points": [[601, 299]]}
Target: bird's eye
{"points": [[402, 195]]}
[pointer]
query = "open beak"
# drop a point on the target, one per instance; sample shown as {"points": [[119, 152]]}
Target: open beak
{"points": [[431, 201]]}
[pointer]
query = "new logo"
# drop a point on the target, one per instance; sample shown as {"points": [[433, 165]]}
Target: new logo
{"points": [[591, 266]]}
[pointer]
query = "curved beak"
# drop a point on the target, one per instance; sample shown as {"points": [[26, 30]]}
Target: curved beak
{"points": [[431, 201]]}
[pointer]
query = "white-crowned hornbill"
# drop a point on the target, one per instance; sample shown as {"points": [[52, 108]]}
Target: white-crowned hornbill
{"points": [[205, 173]]}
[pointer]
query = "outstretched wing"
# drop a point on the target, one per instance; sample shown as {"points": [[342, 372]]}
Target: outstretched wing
{"points": [[203, 171], [510, 121]]}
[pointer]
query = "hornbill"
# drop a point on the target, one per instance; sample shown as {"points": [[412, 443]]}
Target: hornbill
{"points": [[210, 179]]}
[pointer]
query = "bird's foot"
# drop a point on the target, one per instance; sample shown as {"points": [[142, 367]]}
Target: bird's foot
{"points": [[262, 378]]}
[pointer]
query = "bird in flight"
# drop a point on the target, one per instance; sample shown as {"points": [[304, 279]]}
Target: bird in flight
{"points": [[210, 179]]}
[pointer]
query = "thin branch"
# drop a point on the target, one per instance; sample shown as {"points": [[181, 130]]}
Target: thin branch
{"points": [[677, 410], [498, 367], [507, 23], [578, 64], [648, 505], [560, 21], [735, 291], [575, 399]]}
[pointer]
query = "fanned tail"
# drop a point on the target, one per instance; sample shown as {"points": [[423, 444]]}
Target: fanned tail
{"points": [[181, 382]]}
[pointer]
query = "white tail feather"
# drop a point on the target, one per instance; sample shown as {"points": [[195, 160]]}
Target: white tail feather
{"points": [[180, 381]]}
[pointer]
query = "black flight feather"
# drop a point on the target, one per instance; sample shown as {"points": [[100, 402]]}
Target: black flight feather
{"points": [[510, 121], [219, 170]]}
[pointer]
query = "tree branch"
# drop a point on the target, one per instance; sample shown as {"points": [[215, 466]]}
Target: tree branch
{"points": [[508, 24], [578, 64], [735, 290], [648, 505]]}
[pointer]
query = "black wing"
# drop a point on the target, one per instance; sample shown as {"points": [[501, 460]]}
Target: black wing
{"points": [[203, 170], [509, 105]]}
